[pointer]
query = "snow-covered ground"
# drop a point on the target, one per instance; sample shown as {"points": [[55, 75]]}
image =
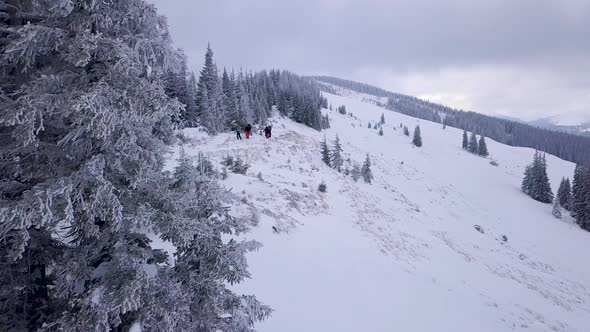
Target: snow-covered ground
{"points": [[402, 254]]}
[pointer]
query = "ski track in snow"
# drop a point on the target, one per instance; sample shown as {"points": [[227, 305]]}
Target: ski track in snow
{"points": [[402, 254]]}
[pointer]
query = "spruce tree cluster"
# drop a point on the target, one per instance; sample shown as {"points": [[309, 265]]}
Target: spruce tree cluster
{"points": [[474, 146], [341, 109], [581, 196], [228, 101], [536, 182], [333, 158], [88, 112]]}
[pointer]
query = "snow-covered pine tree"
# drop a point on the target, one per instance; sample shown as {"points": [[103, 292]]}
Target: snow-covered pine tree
{"points": [[482, 148], [230, 99], [210, 97], [581, 196], [382, 118], [577, 186], [417, 140], [369, 126], [325, 152], [85, 121], [473, 146], [564, 194], [536, 182], [246, 113], [325, 122], [380, 131], [355, 172], [366, 172], [336, 160], [465, 144], [178, 85], [217, 112], [527, 181], [406, 131], [542, 187], [556, 209], [191, 113]]}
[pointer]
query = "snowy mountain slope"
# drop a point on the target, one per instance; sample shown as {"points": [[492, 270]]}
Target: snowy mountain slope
{"points": [[402, 254]]}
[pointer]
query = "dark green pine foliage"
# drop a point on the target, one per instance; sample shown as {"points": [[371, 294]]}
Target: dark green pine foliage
{"points": [[556, 209], [527, 181], [336, 160], [564, 194], [465, 144], [473, 147], [366, 172], [417, 140], [581, 197], [536, 182], [325, 152], [483, 147]]}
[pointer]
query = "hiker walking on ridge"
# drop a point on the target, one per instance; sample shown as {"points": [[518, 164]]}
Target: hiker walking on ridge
{"points": [[267, 131], [238, 135], [247, 130]]}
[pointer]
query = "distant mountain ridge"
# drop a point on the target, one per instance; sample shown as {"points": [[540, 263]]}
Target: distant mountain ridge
{"points": [[553, 123], [574, 148]]}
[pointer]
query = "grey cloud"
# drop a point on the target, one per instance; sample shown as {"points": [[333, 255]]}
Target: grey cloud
{"points": [[351, 39]]}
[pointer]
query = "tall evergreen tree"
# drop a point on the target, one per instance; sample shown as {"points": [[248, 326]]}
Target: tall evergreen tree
{"points": [[230, 99], [536, 182], [325, 152], [244, 105], [581, 196], [564, 194], [473, 147], [556, 209], [465, 141], [336, 160], [86, 122], [483, 147], [366, 172], [527, 181], [209, 102], [417, 140], [356, 172], [542, 185], [382, 118], [406, 131]]}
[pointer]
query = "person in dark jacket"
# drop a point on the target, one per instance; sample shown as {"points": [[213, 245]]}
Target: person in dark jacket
{"points": [[238, 135], [247, 130], [267, 131]]}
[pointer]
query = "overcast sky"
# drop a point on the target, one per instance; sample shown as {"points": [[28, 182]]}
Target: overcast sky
{"points": [[520, 58]]}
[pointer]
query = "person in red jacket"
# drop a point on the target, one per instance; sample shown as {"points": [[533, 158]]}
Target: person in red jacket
{"points": [[247, 130]]}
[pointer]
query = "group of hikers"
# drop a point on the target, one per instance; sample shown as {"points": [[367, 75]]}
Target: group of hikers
{"points": [[248, 131]]}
